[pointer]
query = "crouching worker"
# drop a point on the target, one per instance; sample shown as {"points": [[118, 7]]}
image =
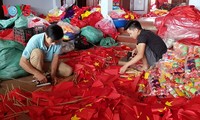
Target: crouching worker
{"points": [[150, 47], [41, 55]]}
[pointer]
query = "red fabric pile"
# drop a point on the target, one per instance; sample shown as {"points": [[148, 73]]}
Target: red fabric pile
{"points": [[91, 20], [108, 98], [181, 22], [98, 93], [7, 34]]}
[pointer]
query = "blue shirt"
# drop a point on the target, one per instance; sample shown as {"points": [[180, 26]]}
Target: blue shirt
{"points": [[37, 41]]}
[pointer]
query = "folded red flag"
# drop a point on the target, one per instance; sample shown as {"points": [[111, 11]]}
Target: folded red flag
{"points": [[37, 112], [97, 83], [108, 114], [7, 34], [112, 70], [116, 116], [63, 117], [168, 116], [187, 115], [191, 106], [113, 95], [18, 94], [62, 86], [86, 113]]}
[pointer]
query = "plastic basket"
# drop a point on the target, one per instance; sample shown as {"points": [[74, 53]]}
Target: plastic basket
{"points": [[39, 29], [22, 35], [119, 22]]}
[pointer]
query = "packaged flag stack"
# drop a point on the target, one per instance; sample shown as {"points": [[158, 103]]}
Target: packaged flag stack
{"points": [[177, 74]]}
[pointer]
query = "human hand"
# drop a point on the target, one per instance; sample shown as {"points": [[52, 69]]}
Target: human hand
{"points": [[54, 80], [40, 77], [123, 69], [134, 52]]}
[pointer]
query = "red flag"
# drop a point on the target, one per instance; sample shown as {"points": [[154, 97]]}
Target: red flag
{"points": [[108, 114], [98, 83], [37, 112], [86, 113], [187, 115]]}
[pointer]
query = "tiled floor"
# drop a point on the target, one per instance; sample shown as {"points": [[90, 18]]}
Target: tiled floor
{"points": [[24, 83]]}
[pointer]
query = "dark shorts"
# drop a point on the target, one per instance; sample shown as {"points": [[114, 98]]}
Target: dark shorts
{"points": [[151, 56]]}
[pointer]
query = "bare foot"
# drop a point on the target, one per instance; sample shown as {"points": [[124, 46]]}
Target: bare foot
{"points": [[143, 68]]}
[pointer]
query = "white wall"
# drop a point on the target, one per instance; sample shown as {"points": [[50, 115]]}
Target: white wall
{"points": [[107, 7], [70, 2], [196, 3], [40, 6]]}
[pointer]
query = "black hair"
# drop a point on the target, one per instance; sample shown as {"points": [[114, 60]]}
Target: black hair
{"points": [[54, 31], [131, 24]]}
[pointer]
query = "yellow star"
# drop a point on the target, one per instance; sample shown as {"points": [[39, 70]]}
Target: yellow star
{"points": [[81, 109], [168, 103], [146, 75], [96, 64], [126, 16], [148, 118], [129, 78], [75, 118], [87, 72], [163, 109], [85, 81], [88, 105]]}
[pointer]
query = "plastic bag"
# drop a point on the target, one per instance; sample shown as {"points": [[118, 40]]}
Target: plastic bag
{"points": [[81, 43], [178, 32], [37, 21], [92, 34], [77, 22], [108, 42], [117, 13], [7, 34], [10, 53], [192, 67], [69, 30], [68, 27], [76, 19], [181, 22], [55, 14], [8, 22], [107, 26], [22, 21], [187, 47], [67, 46], [93, 18], [181, 50]]}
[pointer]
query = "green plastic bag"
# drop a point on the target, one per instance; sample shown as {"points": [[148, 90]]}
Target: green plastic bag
{"points": [[22, 21], [92, 34], [108, 42], [8, 22], [10, 52]]}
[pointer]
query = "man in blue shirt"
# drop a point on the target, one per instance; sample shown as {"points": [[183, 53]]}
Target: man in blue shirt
{"points": [[42, 55]]}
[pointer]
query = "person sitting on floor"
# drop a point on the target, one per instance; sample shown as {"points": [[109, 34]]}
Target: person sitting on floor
{"points": [[150, 47], [41, 55]]}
